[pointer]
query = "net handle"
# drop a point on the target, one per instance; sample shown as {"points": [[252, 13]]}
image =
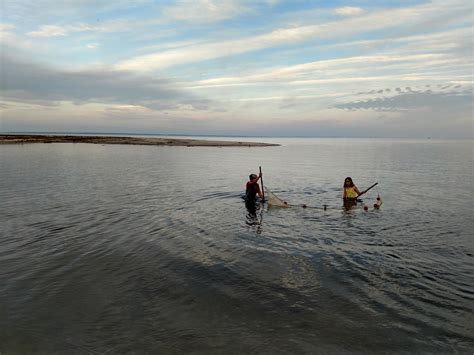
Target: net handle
{"points": [[261, 181], [363, 192]]}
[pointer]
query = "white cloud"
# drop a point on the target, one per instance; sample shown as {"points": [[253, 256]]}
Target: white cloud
{"points": [[404, 63], [6, 27], [10, 38], [204, 10], [349, 11], [327, 71], [289, 97], [384, 19], [343, 80], [463, 82], [27, 10], [61, 31], [5, 32], [49, 31], [423, 42]]}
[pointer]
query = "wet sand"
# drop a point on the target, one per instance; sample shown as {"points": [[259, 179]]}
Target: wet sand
{"points": [[25, 138]]}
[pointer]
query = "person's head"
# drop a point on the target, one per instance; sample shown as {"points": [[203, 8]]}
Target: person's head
{"points": [[348, 182], [253, 176]]}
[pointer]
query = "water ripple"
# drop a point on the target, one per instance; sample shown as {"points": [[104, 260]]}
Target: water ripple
{"points": [[133, 249]]}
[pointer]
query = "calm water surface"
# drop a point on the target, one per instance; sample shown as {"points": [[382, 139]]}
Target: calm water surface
{"points": [[116, 249]]}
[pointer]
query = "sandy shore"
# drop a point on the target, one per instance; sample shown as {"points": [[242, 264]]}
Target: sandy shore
{"points": [[25, 138]]}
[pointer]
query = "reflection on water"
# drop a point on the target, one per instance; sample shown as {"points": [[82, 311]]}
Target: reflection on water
{"points": [[349, 203], [254, 215], [126, 249]]}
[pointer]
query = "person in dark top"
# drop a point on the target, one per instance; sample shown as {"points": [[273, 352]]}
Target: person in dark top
{"points": [[252, 188]]}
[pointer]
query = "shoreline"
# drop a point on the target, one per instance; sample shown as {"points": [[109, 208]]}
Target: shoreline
{"points": [[178, 142]]}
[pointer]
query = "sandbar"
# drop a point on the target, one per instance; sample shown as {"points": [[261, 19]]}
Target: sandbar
{"points": [[183, 142]]}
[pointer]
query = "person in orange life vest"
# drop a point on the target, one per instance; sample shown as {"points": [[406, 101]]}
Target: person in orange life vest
{"points": [[350, 190], [252, 188]]}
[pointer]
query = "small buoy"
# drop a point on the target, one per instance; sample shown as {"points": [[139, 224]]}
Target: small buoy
{"points": [[304, 206], [325, 207], [378, 202], [285, 202]]}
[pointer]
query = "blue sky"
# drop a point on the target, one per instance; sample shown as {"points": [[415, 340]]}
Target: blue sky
{"points": [[238, 67]]}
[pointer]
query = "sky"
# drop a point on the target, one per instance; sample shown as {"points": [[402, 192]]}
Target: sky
{"points": [[386, 69]]}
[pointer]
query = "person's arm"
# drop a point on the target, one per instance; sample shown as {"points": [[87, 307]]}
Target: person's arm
{"points": [[259, 192], [356, 190], [344, 193]]}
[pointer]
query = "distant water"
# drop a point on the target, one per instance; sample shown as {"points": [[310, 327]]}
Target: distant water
{"points": [[137, 249]]}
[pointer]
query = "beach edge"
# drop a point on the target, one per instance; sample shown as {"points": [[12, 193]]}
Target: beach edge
{"points": [[155, 141]]}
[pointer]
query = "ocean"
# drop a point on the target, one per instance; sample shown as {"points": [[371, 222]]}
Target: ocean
{"points": [[148, 249]]}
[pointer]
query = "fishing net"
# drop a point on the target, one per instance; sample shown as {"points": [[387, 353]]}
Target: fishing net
{"points": [[274, 200]]}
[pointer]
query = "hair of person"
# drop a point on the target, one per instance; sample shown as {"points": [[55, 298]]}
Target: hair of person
{"points": [[350, 181]]}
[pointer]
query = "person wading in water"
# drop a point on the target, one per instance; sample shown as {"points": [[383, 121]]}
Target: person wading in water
{"points": [[351, 192], [252, 188]]}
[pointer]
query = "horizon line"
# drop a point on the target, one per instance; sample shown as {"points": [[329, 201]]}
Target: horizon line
{"points": [[224, 135]]}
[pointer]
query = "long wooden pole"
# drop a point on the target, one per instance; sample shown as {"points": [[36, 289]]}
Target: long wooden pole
{"points": [[261, 179], [363, 192]]}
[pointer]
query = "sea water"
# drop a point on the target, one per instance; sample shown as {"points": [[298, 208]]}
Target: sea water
{"points": [[116, 248]]}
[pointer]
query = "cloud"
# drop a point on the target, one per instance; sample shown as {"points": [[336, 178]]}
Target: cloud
{"points": [[66, 30], [289, 97], [33, 10], [49, 31], [272, 2], [453, 101], [6, 27], [377, 20], [326, 71], [6, 34], [204, 10], [29, 82], [349, 11], [335, 70], [10, 38]]}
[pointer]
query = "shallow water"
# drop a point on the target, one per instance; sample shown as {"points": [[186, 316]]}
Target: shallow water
{"points": [[150, 249]]}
